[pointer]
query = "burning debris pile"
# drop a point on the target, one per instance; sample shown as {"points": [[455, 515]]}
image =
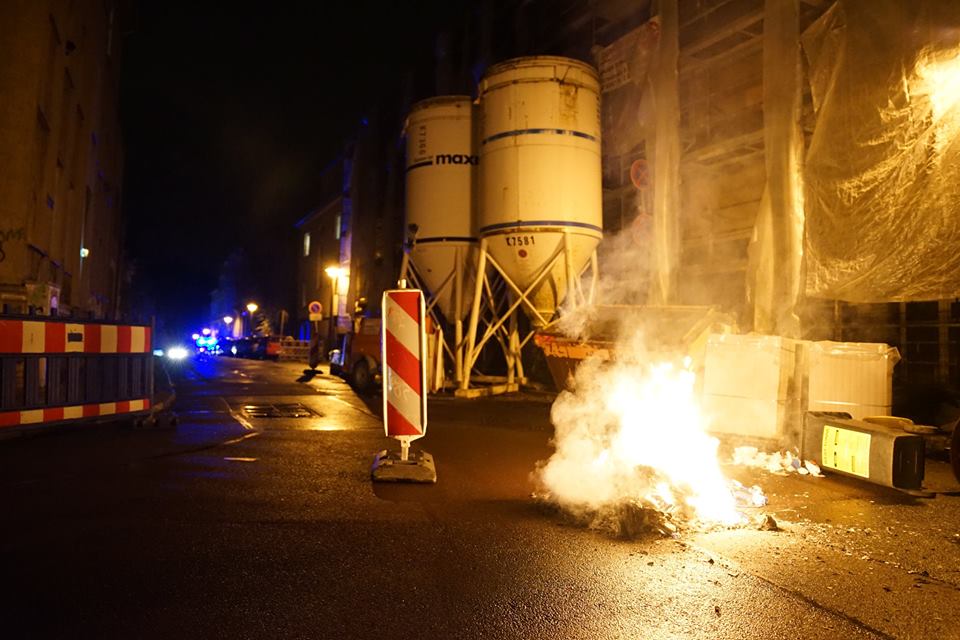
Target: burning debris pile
{"points": [[780, 463], [632, 452]]}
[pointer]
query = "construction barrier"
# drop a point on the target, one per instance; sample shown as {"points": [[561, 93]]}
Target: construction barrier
{"points": [[404, 356], [54, 370], [404, 373], [296, 350]]}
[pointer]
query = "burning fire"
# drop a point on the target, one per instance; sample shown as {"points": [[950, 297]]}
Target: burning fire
{"points": [[631, 432]]}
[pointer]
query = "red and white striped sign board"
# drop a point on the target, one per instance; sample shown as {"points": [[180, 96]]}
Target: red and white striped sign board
{"points": [[404, 351]]}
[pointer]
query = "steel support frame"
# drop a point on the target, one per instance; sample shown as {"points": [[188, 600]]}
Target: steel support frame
{"points": [[408, 271], [504, 324]]}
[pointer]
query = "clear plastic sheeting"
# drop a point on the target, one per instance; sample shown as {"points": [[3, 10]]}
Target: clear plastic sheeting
{"points": [[883, 166], [777, 247], [856, 351], [664, 84]]}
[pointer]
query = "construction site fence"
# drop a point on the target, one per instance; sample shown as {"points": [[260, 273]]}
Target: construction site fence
{"points": [[56, 370], [294, 350]]}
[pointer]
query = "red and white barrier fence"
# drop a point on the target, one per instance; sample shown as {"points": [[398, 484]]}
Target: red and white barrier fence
{"points": [[43, 336], [55, 370], [73, 412]]}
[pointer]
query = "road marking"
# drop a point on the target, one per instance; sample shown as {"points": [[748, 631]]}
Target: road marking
{"points": [[241, 438], [240, 419]]}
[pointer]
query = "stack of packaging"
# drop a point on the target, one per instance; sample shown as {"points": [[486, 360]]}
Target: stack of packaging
{"points": [[758, 387]]}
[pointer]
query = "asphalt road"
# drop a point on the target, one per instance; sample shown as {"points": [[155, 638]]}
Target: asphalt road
{"points": [[242, 527]]}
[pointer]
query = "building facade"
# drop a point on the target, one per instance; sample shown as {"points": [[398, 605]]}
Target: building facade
{"points": [[61, 157], [350, 246], [320, 236], [707, 114]]}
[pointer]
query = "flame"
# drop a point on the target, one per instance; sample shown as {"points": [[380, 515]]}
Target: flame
{"points": [[632, 431], [940, 80], [937, 76]]}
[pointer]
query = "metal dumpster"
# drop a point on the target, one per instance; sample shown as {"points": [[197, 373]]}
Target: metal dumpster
{"points": [[670, 330]]}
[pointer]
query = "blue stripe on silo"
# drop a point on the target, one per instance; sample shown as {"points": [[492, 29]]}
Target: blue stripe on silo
{"points": [[445, 239], [417, 165], [540, 223], [524, 132]]}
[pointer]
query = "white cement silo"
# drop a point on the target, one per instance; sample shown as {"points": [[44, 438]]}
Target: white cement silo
{"points": [[440, 164], [539, 195]]}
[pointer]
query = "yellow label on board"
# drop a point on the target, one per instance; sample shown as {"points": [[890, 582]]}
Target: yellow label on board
{"points": [[846, 450]]}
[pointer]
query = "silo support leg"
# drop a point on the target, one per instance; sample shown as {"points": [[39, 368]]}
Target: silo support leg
{"points": [[515, 347], [571, 272], [458, 351], [511, 352], [458, 311], [474, 316], [594, 277]]}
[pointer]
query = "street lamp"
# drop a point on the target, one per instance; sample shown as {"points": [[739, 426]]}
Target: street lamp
{"points": [[251, 309], [227, 328], [334, 272], [234, 323]]}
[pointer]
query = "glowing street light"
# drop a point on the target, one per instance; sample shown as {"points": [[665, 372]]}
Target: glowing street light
{"points": [[252, 307], [227, 319], [195, 337], [206, 331], [335, 272]]}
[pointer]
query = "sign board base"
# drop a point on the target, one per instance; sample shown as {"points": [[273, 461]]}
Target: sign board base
{"points": [[388, 467]]}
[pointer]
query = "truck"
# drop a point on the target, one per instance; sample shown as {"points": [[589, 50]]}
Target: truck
{"points": [[357, 357]]}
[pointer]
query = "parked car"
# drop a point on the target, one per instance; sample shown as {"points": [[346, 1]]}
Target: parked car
{"points": [[244, 348], [226, 347]]}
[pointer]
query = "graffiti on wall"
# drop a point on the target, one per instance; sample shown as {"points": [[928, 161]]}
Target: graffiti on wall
{"points": [[11, 234]]}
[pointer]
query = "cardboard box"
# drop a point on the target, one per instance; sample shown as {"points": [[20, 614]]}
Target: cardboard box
{"points": [[746, 384], [856, 377]]}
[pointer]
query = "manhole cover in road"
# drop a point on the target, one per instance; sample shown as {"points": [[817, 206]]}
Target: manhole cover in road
{"points": [[285, 410]]}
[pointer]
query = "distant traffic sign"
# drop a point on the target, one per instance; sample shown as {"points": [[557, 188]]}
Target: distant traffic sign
{"points": [[315, 311]]}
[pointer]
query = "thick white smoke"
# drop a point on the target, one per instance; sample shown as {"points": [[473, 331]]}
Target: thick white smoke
{"points": [[631, 432]]}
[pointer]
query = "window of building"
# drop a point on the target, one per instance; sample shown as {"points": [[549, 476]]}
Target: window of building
{"points": [[306, 244]]}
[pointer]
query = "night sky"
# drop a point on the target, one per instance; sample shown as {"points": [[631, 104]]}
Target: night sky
{"points": [[229, 118]]}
